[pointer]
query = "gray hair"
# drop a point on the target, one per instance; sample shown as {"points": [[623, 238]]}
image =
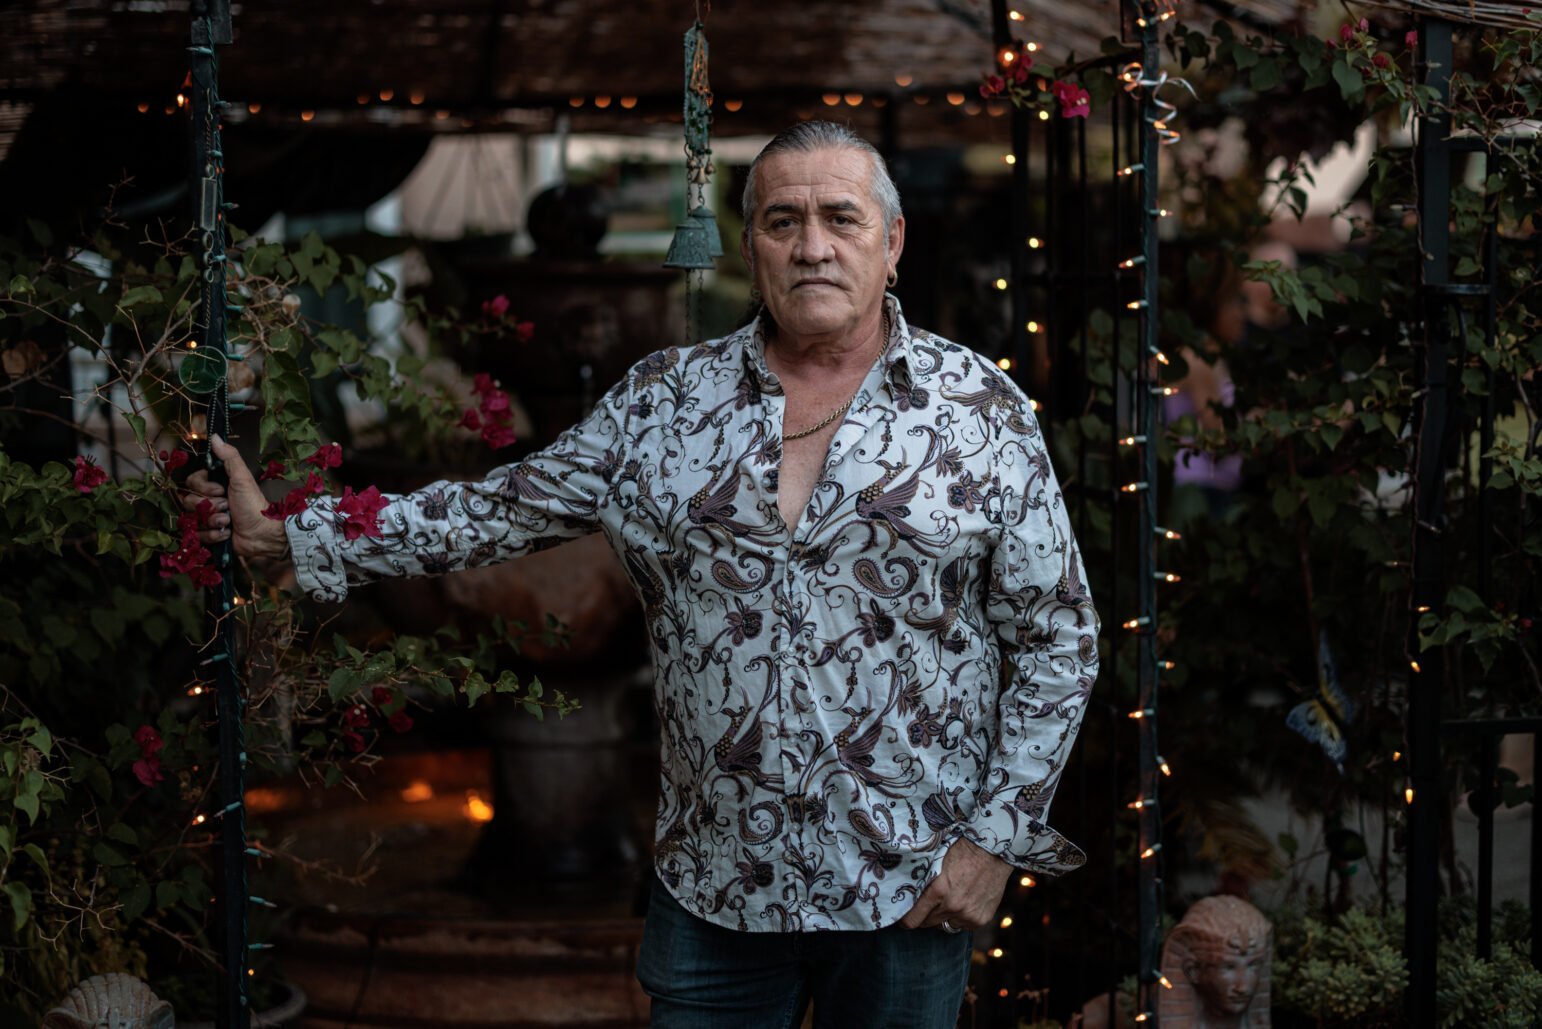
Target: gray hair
{"points": [[808, 136]]}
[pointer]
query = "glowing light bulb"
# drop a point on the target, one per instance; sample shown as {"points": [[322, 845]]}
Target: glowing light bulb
{"points": [[1415, 666], [1027, 881], [602, 102], [1006, 923], [307, 115], [1034, 242], [1001, 283], [1150, 851], [200, 819], [853, 99], [1043, 116], [387, 95], [1166, 983], [1408, 794], [997, 952], [1032, 325], [1397, 755], [1005, 364], [733, 105], [1007, 55], [902, 80], [629, 102], [1166, 768], [1015, 15], [1009, 158], [956, 99], [416, 98]]}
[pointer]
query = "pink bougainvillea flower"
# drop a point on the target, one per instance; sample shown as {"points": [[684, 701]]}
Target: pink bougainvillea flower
{"points": [[1364, 25], [482, 382], [498, 435], [1019, 70], [497, 307], [1075, 102], [381, 694], [148, 768], [469, 419], [401, 721], [361, 512], [1381, 60], [1346, 32], [275, 470], [524, 331], [1411, 39], [173, 459], [494, 401], [354, 740], [191, 557], [87, 475], [329, 456], [992, 86]]}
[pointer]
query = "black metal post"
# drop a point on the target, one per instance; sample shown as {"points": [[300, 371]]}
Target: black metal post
{"points": [[1423, 727], [212, 27]]}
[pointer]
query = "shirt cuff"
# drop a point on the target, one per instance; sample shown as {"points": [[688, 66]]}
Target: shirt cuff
{"points": [[317, 554], [1021, 840]]}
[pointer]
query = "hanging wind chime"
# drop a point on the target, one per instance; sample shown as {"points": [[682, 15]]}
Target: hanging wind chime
{"points": [[696, 243]]}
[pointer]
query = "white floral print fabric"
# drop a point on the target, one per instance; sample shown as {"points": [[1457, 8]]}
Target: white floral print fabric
{"points": [[839, 700]]}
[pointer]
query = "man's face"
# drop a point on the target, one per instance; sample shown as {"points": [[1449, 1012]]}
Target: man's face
{"points": [[816, 242], [1228, 980]]}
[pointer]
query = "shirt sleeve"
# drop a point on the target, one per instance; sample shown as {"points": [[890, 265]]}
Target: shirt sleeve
{"points": [[1040, 608], [557, 494]]}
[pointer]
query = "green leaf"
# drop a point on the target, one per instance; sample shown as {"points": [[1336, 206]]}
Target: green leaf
{"points": [[342, 682], [33, 851], [123, 834], [21, 286], [476, 688], [1351, 85], [323, 364], [1266, 75], [108, 856], [136, 900], [137, 423], [27, 797], [7, 841], [167, 893], [535, 710], [43, 740], [21, 903], [140, 295]]}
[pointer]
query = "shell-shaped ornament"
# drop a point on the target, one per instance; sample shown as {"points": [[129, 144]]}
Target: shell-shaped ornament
{"points": [[111, 1001]]}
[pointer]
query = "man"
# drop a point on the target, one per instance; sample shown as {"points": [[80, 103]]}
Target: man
{"points": [[872, 643]]}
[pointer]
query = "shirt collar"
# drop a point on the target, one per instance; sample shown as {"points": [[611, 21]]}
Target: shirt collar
{"points": [[896, 354]]}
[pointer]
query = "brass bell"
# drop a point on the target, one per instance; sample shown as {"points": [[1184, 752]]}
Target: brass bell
{"points": [[708, 222], [690, 248]]}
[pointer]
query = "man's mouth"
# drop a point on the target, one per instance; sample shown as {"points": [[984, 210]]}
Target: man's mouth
{"points": [[812, 282]]}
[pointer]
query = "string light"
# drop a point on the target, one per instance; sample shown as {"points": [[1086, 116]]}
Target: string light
{"points": [[1034, 242], [416, 98], [956, 99], [1001, 283], [1167, 666], [1032, 47], [1135, 305], [1015, 15], [1027, 881], [1415, 666], [1397, 755], [253, 107], [1010, 159], [1006, 923], [362, 98], [1006, 55], [629, 102], [921, 99], [997, 952], [1408, 794], [181, 100], [1131, 169], [1150, 852], [853, 99], [1003, 992], [1166, 768], [1144, 1016], [1144, 712], [831, 99], [1161, 358], [1005, 364], [387, 95], [1136, 805], [199, 819], [1131, 262], [1043, 116], [1166, 983], [1130, 441], [602, 102], [1422, 608], [441, 115], [575, 101], [143, 107], [1134, 487], [1167, 534], [1163, 391], [1032, 326], [1167, 577], [196, 691], [733, 105], [307, 115]]}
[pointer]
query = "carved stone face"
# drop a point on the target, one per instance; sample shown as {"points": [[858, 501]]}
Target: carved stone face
{"points": [[1227, 978]]}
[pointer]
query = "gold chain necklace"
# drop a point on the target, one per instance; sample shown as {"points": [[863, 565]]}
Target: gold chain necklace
{"points": [[833, 415]]}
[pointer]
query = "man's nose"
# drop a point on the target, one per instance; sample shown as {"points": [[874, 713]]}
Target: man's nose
{"points": [[814, 244]]}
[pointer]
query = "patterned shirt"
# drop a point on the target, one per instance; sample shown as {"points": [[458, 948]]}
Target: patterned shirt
{"points": [[840, 700]]}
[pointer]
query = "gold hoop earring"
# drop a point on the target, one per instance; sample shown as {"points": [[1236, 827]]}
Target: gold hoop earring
{"points": [[893, 277]]}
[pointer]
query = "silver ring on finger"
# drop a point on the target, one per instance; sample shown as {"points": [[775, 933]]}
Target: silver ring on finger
{"points": [[949, 927]]}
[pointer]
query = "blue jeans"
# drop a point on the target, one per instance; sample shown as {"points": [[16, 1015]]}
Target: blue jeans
{"points": [[703, 976]]}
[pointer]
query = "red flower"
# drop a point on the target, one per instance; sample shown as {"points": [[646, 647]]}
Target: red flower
{"points": [[482, 382], [275, 470], [191, 557], [1019, 69], [355, 741], [1411, 39], [992, 86], [497, 307], [361, 512], [494, 401], [87, 475], [498, 434], [173, 459], [1346, 32], [1365, 25], [356, 717], [524, 331], [1381, 60], [1075, 102], [150, 742], [401, 721], [381, 695], [329, 456], [470, 420], [148, 770]]}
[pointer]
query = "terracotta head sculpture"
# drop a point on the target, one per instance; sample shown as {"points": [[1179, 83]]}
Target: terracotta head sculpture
{"points": [[1218, 960]]}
